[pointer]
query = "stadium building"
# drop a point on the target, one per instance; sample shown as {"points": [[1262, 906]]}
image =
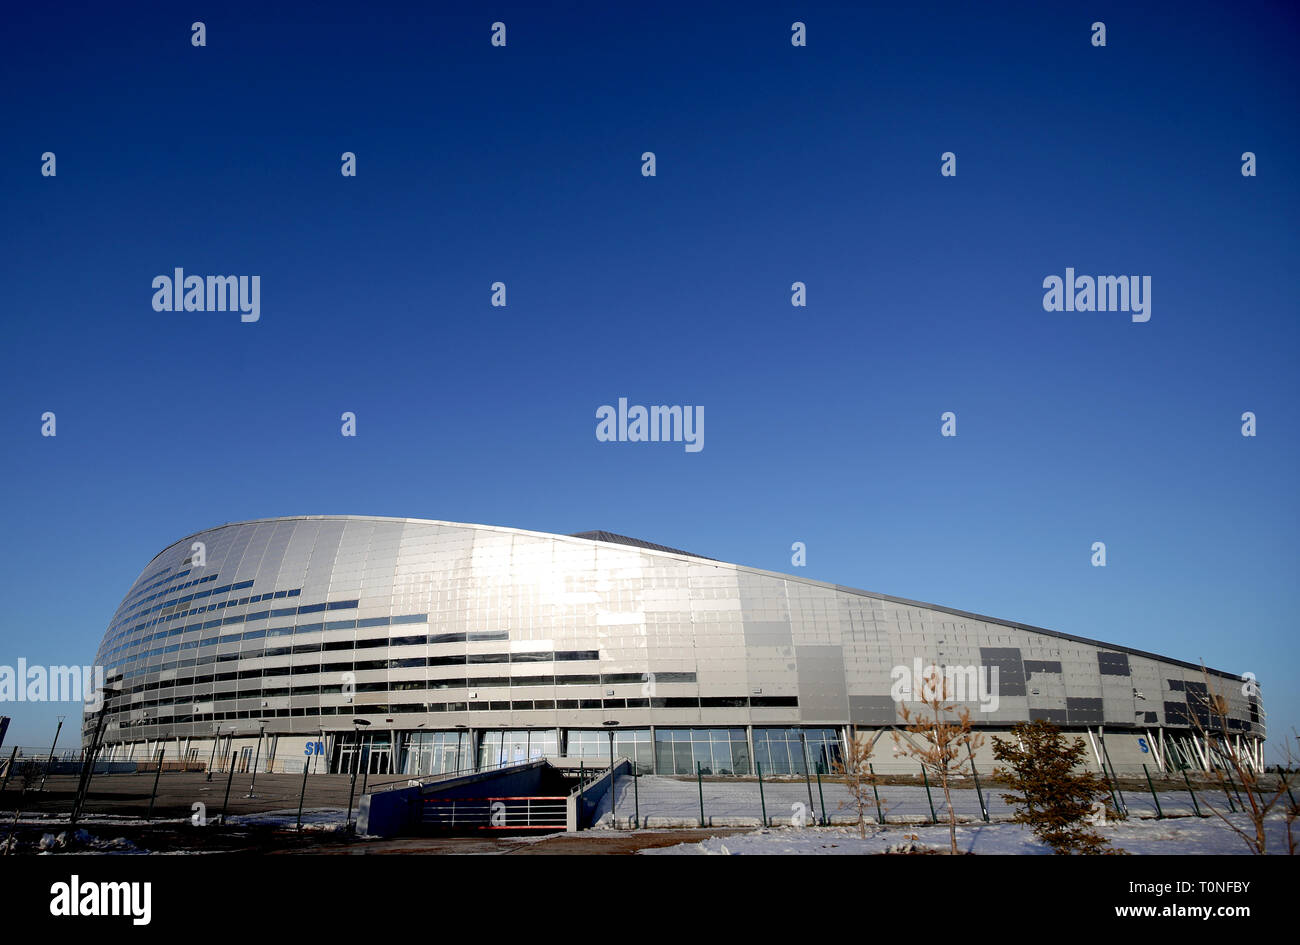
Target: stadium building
{"points": [[435, 646]]}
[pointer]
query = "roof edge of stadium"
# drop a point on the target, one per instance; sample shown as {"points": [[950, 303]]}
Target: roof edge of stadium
{"points": [[615, 539], [663, 549]]}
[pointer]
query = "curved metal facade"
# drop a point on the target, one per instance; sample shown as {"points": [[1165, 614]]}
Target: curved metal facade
{"points": [[300, 625]]}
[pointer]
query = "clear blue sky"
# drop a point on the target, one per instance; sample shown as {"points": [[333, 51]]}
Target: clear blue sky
{"points": [[775, 164]]}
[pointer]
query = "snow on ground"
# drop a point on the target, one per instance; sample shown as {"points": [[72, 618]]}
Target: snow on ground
{"points": [[313, 818], [1182, 836]]}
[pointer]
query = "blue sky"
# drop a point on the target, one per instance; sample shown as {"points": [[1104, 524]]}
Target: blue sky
{"points": [[775, 164]]}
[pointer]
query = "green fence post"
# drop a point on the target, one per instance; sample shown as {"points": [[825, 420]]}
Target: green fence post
{"points": [[1110, 786], [1232, 808], [302, 794], [933, 817], [978, 792], [1159, 813], [1195, 806], [231, 777], [880, 814], [761, 800], [1123, 805], [699, 782], [825, 822], [1228, 772], [154, 794], [636, 794]]}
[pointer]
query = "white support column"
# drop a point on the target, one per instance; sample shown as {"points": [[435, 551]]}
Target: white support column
{"points": [[1155, 750], [1095, 751], [1203, 751]]}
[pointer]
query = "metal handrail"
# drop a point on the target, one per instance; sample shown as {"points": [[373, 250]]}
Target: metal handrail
{"points": [[477, 813], [448, 775]]}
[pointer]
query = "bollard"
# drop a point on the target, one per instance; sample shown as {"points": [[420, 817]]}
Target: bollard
{"points": [[1159, 813], [761, 799]]}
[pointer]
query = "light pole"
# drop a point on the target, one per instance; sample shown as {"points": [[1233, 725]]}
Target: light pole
{"points": [[803, 744], [306, 767], [460, 738], [613, 778], [52, 744], [261, 727], [419, 743], [216, 737], [356, 763]]}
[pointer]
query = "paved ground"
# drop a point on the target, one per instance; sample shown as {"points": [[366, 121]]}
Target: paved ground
{"points": [[128, 794]]}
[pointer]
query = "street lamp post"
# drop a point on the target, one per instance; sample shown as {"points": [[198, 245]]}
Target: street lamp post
{"points": [[52, 744], [803, 743], [216, 737], [613, 778], [261, 727], [356, 763], [306, 767]]}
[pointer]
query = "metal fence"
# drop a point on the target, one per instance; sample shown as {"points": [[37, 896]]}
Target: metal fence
{"points": [[675, 801]]}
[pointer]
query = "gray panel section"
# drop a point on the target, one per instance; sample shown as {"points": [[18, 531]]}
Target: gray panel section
{"points": [[1112, 664], [872, 710], [1084, 711], [767, 633], [1055, 716], [822, 693], [1011, 671]]}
